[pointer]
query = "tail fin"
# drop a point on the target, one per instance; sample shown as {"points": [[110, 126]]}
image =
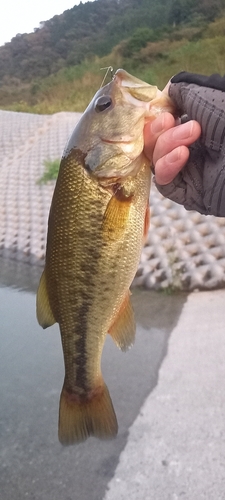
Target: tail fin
{"points": [[93, 417]]}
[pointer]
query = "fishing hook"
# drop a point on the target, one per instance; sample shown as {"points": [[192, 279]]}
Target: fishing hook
{"points": [[108, 69]]}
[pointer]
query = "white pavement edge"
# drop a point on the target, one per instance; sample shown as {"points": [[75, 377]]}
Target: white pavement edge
{"points": [[176, 446]]}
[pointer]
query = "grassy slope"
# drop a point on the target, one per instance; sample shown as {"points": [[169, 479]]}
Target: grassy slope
{"points": [[72, 89]]}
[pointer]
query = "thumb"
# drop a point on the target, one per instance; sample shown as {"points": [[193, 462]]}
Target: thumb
{"points": [[154, 129]]}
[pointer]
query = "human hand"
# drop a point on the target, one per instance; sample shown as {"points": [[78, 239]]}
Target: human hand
{"points": [[191, 173], [166, 143]]}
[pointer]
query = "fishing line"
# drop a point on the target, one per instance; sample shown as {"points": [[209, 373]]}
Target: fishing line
{"points": [[108, 69]]}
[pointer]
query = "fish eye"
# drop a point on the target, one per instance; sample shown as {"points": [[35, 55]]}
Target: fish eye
{"points": [[102, 103]]}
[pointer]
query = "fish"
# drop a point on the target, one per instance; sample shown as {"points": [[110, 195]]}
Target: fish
{"points": [[98, 221]]}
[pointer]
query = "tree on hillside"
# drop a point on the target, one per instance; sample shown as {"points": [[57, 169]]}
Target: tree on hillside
{"points": [[94, 28]]}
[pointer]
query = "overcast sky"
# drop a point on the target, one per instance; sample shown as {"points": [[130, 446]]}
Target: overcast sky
{"points": [[22, 16]]}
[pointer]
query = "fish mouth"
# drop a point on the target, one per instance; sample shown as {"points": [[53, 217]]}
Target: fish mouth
{"points": [[115, 141], [136, 91], [126, 140], [126, 146], [143, 95]]}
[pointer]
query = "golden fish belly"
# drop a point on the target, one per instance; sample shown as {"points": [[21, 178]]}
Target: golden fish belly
{"points": [[90, 264]]}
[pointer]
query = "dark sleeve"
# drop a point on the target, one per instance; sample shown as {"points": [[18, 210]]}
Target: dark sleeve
{"points": [[201, 183], [214, 81]]}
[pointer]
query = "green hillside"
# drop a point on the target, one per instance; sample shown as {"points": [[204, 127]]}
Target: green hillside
{"points": [[58, 66]]}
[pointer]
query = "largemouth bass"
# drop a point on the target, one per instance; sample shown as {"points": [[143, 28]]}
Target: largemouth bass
{"points": [[98, 220]]}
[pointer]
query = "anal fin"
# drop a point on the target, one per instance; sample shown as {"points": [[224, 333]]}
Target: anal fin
{"points": [[45, 316], [123, 328]]}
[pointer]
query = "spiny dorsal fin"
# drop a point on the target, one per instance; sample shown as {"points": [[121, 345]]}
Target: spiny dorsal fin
{"points": [[123, 328], [44, 313]]}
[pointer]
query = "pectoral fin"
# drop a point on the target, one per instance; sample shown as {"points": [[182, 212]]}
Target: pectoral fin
{"points": [[44, 313], [123, 328], [116, 217]]}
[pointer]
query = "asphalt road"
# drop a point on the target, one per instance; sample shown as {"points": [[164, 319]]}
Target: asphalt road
{"points": [[33, 464]]}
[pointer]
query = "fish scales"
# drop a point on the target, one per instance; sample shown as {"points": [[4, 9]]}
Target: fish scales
{"points": [[97, 223], [96, 265]]}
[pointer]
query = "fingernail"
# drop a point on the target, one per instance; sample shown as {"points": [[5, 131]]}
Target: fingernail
{"points": [[183, 131], [173, 156], [158, 125]]}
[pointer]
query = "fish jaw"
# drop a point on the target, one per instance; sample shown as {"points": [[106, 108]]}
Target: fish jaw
{"points": [[136, 91], [145, 95], [110, 133]]}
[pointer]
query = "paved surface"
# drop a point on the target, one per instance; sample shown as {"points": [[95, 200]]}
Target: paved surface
{"points": [[176, 446], [183, 249], [33, 464], [168, 392]]}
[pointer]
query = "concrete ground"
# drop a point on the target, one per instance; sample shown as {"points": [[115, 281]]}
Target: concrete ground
{"points": [[176, 446], [168, 393]]}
